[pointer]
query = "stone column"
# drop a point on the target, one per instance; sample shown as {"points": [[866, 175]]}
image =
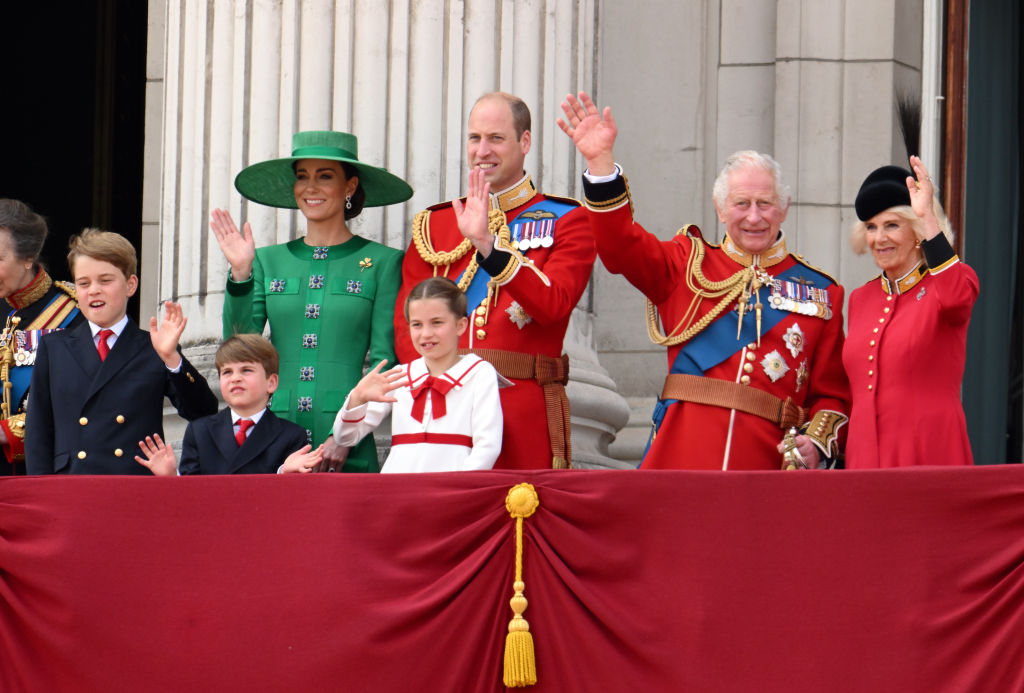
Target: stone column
{"points": [[239, 77]]}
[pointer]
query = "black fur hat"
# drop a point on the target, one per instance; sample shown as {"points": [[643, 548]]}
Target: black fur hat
{"points": [[884, 187]]}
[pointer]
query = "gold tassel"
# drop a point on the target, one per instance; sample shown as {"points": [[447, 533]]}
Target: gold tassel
{"points": [[520, 663]]}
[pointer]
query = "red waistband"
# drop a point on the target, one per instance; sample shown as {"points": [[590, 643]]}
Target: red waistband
{"points": [[433, 438]]}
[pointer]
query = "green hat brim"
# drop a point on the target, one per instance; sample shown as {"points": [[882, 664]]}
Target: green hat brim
{"points": [[272, 183]]}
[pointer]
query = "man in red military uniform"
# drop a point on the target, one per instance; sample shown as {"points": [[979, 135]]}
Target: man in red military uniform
{"points": [[754, 334], [523, 259]]}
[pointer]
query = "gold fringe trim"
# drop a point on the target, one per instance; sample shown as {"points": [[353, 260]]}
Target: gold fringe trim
{"points": [[520, 661]]}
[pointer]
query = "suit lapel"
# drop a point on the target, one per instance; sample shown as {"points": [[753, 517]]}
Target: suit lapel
{"points": [[127, 346], [259, 440], [223, 434], [83, 350]]}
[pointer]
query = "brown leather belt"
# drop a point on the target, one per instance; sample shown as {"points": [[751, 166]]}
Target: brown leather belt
{"points": [[721, 393], [552, 374]]}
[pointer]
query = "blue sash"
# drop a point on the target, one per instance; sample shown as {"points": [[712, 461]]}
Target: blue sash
{"points": [[476, 292], [717, 342]]}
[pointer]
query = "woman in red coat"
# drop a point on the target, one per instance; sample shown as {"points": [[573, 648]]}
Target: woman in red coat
{"points": [[906, 345]]}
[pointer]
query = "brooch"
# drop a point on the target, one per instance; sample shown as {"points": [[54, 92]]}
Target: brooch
{"points": [[920, 294], [517, 315], [365, 263], [794, 340], [801, 375], [774, 365]]}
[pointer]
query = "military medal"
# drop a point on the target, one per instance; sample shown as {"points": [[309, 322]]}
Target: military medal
{"points": [[801, 375], [524, 240], [535, 240], [800, 297], [794, 340], [774, 365]]}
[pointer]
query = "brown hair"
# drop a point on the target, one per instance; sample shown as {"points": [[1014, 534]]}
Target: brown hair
{"points": [[106, 246], [520, 111], [442, 288], [248, 348], [358, 197]]}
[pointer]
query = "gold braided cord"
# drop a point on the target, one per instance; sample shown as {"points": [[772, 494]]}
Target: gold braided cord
{"points": [[421, 239], [702, 288], [497, 226]]}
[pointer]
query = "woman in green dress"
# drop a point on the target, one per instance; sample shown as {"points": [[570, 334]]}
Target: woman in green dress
{"points": [[329, 297]]}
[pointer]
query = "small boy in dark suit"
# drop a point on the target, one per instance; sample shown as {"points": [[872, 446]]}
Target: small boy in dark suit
{"points": [[245, 438], [100, 386]]}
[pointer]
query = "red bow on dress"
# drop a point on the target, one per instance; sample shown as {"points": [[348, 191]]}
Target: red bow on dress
{"points": [[419, 397]]}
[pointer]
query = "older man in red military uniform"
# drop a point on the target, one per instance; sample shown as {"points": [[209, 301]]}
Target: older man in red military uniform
{"points": [[754, 334], [523, 259]]}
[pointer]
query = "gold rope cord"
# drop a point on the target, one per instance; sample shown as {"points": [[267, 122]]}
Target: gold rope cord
{"points": [[520, 662], [421, 239], [728, 289]]}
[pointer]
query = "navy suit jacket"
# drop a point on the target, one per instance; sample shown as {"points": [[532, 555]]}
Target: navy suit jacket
{"points": [[89, 415], [210, 446]]}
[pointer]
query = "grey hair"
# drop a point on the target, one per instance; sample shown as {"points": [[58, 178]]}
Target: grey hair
{"points": [[28, 229], [858, 233], [748, 158]]}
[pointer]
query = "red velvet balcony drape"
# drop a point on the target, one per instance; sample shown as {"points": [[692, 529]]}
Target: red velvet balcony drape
{"points": [[895, 580]]}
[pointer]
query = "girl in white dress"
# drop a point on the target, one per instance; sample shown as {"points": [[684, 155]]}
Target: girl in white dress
{"points": [[445, 411]]}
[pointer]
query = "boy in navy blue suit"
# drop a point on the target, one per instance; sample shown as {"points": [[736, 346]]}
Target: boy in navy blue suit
{"points": [[245, 438], [99, 386]]}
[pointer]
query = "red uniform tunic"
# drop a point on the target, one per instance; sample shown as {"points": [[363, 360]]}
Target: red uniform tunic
{"points": [[529, 312], [799, 358], [905, 360]]}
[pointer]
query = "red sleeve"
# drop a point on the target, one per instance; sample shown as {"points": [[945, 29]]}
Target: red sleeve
{"points": [[828, 387], [566, 270], [626, 248]]}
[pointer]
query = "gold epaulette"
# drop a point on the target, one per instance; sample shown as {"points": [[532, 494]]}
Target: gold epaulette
{"points": [[68, 288]]}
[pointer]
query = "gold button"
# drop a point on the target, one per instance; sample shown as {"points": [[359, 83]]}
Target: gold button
{"points": [[480, 334], [872, 342], [480, 321], [870, 388], [871, 357], [481, 310], [888, 298], [881, 320], [120, 418], [875, 330], [83, 421], [745, 379], [871, 372], [81, 454], [190, 378], [886, 309], [751, 356], [752, 345], [118, 452], [748, 368]]}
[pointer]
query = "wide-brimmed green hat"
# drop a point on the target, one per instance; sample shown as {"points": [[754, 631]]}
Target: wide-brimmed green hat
{"points": [[272, 182]]}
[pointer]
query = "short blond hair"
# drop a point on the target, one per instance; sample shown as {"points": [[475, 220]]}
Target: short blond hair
{"points": [[858, 233], [106, 246]]}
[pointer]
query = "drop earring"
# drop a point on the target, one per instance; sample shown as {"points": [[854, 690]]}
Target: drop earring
{"points": [[348, 202]]}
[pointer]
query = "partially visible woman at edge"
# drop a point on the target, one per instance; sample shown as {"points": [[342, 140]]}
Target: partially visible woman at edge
{"points": [[32, 304], [328, 296], [907, 338]]}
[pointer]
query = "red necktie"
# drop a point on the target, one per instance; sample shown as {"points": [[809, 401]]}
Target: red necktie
{"points": [[437, 406], [102, 345], [243, 426]]}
